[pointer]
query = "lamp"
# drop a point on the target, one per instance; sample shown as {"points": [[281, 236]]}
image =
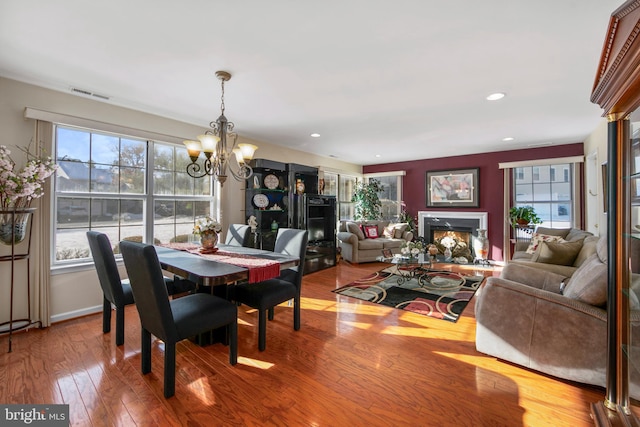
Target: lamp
{"points": [[213, 143]]}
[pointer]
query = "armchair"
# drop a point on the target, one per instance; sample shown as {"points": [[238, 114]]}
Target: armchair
{"points": [[550, 323]]}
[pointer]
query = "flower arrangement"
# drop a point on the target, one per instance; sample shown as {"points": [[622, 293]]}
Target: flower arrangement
{"points": [[18, 187], [207, 225], [412, 249], [458, 247]]}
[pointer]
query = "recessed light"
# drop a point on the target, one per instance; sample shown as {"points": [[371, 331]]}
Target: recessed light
{"points": [[315, 135], [378, 155], [508, 138], [495, 96]]}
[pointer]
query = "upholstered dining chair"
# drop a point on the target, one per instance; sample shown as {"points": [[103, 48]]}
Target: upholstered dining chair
{"points": [[176, 319], [237, 235], [115, 291], [264, 296]]}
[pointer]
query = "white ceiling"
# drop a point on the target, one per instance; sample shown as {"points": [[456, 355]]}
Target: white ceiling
{"points": [[405, 79]]}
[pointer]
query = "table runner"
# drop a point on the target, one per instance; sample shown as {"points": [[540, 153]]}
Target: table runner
{"points": [[259, 269]]}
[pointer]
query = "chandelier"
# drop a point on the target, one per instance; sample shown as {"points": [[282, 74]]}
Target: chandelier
{"points": [[213, 143]]}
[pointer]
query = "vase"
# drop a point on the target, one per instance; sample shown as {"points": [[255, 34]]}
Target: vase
{"points": [[209, 240], [447, 254], [14, 225], [481, 245]]}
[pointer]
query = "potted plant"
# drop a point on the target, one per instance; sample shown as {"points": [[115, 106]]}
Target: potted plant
{"points": [[367, 202], [523, 216]]}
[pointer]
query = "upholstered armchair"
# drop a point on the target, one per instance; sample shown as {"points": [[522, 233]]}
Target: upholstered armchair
{"points": [[553, 324]]}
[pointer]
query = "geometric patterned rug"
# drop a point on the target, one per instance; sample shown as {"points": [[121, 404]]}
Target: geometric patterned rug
{"points": [[439, 294]]}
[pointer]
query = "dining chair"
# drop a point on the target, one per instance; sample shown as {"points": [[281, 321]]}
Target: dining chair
{"points": [[172, 320], [264, 296], [237, 235], [115, 291]]}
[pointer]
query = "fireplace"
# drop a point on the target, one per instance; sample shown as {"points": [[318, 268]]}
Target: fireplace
{"points": [[464, 225]]}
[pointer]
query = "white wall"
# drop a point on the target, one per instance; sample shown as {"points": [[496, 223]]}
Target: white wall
{"points": [[74, 294], [596, 144]]}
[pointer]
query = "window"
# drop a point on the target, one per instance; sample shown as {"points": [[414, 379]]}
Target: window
{"points": [[549, 190], [127, 188], [346, 187], [391, 196]]}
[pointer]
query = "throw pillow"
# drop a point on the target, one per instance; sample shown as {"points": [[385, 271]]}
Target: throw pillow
{"points": [[562, 232], [560, 253], [400, 229], [371, 231], [354, 228], [389, 231], [589, 283], [536, 238]]}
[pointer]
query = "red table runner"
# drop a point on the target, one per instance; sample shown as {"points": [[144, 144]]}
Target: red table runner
{"points": [[259, 269]]}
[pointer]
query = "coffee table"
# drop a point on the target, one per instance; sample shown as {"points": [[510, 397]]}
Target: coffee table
{"points": [[408, 268]]}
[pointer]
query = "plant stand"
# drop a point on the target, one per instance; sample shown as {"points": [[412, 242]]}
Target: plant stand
{"points": [[19, 231]]}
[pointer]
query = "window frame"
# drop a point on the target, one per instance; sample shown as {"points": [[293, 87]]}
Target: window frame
{"points": [[148, 197]]}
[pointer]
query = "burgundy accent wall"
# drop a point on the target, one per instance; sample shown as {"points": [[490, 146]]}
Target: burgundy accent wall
{"points": [[490, 179]]}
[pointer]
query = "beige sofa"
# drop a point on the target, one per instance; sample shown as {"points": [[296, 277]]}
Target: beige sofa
{"points": [[553, 324], [357, 248], [561, 257]]}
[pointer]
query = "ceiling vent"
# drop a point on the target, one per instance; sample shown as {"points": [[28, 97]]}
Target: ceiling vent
{"points": [[84, 92]]}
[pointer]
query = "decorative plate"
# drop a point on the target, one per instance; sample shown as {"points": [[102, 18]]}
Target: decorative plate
{"points": [[271, 181], [261, 201]]}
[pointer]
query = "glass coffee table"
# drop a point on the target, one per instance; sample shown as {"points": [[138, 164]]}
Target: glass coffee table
{"points": [[408, 268]]}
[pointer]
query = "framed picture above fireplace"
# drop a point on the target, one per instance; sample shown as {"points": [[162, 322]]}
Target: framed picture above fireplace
{"points": [[453, 188]]}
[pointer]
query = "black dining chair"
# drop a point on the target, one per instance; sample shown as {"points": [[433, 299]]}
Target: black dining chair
{"points": [[116, 292], [176, 319], [264, 296], [237, 235]]}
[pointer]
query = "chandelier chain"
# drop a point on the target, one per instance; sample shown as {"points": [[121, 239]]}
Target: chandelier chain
{"points": [[222, 98]]}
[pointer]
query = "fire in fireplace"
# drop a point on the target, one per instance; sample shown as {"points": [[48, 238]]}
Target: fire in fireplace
{"points": [[462, 226], [461, 236]]}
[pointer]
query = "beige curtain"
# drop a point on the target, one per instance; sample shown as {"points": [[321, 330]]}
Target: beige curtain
{"points": [[506, 226], [40, 257]]}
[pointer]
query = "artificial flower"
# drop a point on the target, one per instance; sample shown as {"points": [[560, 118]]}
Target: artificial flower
{"points": [[18, 187], [207, 225]]}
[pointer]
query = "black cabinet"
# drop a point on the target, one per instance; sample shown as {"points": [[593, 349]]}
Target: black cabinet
{"points": [[320, 221], [285, 195], [303, 180], [267, 198]]}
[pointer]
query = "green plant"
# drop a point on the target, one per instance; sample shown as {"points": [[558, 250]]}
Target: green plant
{"points": [[367, 202], [523, 215], [409, 219]]}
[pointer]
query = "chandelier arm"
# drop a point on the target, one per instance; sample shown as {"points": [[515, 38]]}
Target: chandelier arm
{"points": [[244, 172], [193, 169]]}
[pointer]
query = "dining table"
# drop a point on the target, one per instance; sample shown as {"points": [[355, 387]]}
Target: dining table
{"points": [[217, 272], [228, 264]]}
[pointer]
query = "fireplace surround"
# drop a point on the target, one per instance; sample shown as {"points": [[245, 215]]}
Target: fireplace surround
{"points": [[466, 222]]}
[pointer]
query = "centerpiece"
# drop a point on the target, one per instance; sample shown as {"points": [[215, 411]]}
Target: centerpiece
{"points": [[207, 228], [18, 187], [412, 249]]}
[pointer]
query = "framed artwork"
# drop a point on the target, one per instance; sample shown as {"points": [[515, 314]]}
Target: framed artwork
{"points": [[453, 188]]}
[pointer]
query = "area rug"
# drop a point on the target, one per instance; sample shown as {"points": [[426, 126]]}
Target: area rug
{"points": [[439, 294]]}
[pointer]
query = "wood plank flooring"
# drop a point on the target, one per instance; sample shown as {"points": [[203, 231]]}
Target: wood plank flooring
{"points": [[352, 363]]}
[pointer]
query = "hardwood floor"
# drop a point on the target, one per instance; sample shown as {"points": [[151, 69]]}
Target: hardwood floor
{"points": [[351, 363]]}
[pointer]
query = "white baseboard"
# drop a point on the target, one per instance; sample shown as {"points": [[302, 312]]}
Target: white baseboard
{"points": [[77, 313]]}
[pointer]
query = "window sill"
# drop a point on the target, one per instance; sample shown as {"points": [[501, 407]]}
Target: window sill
{"points": [[75, 267]]}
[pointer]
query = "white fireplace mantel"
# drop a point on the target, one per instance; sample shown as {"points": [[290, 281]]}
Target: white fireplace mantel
{"points": [[482, 217]]}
